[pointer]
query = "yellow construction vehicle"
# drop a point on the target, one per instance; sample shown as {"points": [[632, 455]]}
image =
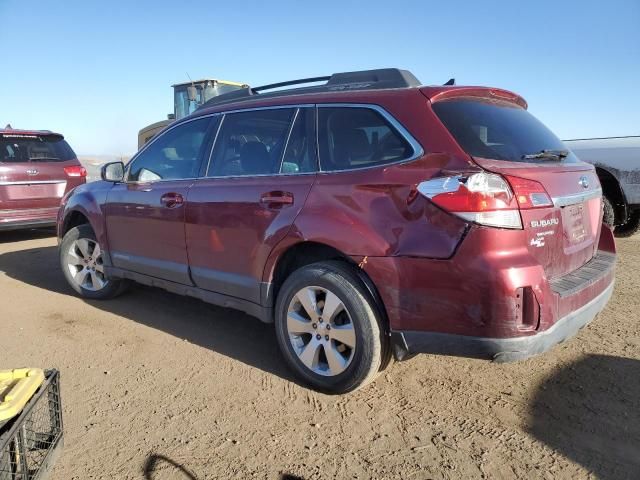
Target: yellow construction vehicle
{"points": [[187, 97]]}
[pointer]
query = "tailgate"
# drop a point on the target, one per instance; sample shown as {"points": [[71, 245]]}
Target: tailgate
{"points": [[34, 170], [565, 236], [31, 185], [499, 134]]}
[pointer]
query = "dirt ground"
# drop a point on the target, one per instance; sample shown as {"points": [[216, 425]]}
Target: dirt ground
{"points": [[157, 386]]}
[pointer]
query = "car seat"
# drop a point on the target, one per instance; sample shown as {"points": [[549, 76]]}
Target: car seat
{"points": [[255, 159]]}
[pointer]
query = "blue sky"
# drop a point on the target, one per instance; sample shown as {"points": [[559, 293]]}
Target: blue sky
{"points": [[100, 71]]}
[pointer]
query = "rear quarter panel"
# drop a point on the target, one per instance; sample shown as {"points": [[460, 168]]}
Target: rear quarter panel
{"points": [[375, 213], [378, 211]]}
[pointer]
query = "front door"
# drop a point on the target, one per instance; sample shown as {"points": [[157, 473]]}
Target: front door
{"points": [[262, 168], [145, 214]]}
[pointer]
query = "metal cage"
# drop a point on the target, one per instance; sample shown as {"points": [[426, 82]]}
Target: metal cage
{"points": [[31, 442]]}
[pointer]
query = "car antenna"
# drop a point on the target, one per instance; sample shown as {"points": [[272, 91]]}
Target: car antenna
{"points": [[451, 81], [8, 127], [190, 79]]}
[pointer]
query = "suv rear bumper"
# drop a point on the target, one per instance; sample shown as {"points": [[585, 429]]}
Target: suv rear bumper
{"points": [[28, 218], [490, 300], [407, 343]]}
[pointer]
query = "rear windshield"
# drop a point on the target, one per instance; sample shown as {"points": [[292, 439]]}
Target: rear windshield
{"points": [[498, 130], [15, 148]]}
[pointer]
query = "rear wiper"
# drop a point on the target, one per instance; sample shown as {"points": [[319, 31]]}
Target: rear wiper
{"points": [[547, 154]]}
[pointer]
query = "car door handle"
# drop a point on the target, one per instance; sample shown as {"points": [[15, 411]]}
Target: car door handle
{"points": [[172, 200], [276, 199]]}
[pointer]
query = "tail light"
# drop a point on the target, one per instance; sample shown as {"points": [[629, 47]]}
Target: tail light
{"points": [[529, 193], [75, 171], [486, 198], [483, 198]]}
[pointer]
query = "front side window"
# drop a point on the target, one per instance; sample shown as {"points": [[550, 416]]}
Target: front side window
{"points": [[20, 148], [356, 137], [174, 155], [251, 143]]}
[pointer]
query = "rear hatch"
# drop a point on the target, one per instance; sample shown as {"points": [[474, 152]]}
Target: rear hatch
{"points": [[36, 170], [559, 196]]}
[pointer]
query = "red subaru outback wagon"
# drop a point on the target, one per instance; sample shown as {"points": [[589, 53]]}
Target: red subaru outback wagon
{"points": [[367, 217], [37, 168]]}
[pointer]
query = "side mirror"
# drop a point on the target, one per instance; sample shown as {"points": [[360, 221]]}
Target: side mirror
{"points": [[112, 172]]}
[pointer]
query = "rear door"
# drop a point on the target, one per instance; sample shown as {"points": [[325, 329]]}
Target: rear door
{"points": [[36, 171], [504, 138], [261, 171]]}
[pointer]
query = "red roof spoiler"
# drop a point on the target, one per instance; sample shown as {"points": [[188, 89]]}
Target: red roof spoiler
{"points": [[436, 94], [13, 131]]}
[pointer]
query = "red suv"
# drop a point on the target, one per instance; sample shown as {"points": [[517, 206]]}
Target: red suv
{"points": [[368, 217], [37, 168]]}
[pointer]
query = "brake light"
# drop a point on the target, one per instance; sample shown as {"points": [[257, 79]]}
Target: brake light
{"points": [[529, 193], [75, 171], [484, 198]]}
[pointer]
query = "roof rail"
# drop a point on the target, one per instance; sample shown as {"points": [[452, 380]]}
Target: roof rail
{"points": [[359, 80], [290, 82]]}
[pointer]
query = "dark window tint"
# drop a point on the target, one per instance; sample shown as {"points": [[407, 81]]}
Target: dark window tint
{"points": [[300, 155], [251, 143], [34, 148], [500, 131], [356, 138], [173, 155]]}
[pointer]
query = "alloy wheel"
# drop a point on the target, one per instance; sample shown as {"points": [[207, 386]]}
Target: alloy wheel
{"points": [[321, 331], [84, 261]]}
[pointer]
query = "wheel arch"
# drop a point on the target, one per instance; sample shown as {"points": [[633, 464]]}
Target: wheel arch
{"points": [[302, 253], [612, 189], [72, 219]]}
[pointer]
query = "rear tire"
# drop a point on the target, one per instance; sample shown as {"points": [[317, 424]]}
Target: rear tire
{"points": [[630, 228], [608, 214], [82, 266], [329, 329]]}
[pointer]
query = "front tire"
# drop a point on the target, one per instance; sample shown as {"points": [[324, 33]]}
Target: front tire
{"points": [[329, 329], [82, 264]]}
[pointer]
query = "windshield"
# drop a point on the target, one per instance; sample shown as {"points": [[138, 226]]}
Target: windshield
{"points": [[18, 148], [184, 106], [501, 131], [204, 92]]}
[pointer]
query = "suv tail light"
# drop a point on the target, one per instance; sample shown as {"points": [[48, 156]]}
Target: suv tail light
{"points": [[75, 171], [529, 193], [484, 198]]}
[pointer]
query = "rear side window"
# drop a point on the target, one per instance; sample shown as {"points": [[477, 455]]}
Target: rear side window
{"points": [[16, 148], [497, 130], [356, 137], [251, 143]]}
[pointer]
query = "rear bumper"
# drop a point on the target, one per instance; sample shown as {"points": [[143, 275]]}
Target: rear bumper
{"points": [[24, 224], [408, 343], [490, 300], [28, 218]]}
